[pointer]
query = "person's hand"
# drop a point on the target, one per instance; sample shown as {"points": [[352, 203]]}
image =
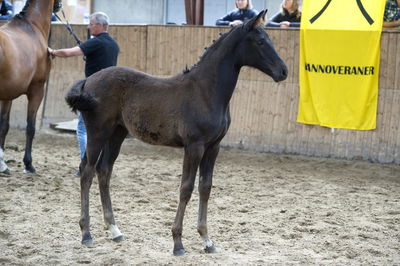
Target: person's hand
{"points": [[235, 23], [51, 52], [285, 24]]}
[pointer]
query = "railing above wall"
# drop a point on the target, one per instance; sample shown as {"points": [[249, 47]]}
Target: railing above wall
{"points": [[263, 112]]}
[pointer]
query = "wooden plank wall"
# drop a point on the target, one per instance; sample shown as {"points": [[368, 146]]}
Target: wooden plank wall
{"points": [[263, 112]]}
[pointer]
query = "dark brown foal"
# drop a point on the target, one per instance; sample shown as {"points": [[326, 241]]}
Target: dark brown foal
{"points": [[189, 110]]}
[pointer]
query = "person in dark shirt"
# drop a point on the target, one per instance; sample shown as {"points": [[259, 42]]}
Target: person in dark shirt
{"points": [[391, 16], [289, 16], [244, 11], [6, 10], [101, 52]]}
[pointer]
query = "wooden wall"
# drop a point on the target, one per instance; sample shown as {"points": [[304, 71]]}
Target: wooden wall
{"points": [[263, 112]]}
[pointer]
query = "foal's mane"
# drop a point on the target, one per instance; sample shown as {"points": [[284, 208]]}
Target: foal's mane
{"points": [[227, 36]]}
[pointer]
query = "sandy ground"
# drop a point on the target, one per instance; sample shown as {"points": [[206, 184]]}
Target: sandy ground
{"points": [[265, 209]]}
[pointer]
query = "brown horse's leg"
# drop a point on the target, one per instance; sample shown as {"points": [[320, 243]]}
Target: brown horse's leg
{"points": [[5, 107], [104, 170], [93, 150], [192, 157], [205, 184], [35, 97]]}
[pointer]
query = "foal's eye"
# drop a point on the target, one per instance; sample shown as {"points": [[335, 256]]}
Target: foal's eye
{"points": [[260, 42]]}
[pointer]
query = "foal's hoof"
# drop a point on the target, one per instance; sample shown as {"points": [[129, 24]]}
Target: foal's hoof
{"points": [[179, 252], [211, 249], [30, 170], [119, 239], [87, 242]]}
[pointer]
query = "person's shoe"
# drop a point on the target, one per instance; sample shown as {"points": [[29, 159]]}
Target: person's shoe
{"points": [[78, 174]]}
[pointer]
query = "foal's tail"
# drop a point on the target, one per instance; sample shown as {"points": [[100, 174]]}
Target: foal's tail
{"points": [[78, 99]]}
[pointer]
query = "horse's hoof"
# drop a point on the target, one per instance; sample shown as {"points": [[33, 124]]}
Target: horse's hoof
{"points": [[179, 252], [211, 249], [6, 172], [119, 239], [87, 242]]}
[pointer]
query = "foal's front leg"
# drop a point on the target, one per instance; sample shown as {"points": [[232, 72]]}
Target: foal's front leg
{"points": [[192, 157], [205, 184]]}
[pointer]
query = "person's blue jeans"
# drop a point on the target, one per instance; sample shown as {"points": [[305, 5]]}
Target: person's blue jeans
{"points": [[81, 134]]}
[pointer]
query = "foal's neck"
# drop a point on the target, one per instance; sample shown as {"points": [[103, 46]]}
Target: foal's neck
{"points": [[221, 73]]}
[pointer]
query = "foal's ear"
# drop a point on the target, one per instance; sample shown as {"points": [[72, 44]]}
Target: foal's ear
{"points": [[258, 21]]}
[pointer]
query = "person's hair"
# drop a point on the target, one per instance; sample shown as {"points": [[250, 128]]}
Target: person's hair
{"points": [[101, 18], [295, 5], [249, 4]]}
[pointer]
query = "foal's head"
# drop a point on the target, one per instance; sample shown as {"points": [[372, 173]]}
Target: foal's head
{"points": [[256, 49]]}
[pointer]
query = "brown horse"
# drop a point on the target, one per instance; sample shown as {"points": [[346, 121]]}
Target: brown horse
{"points": [[24, 67], [189, 110]]}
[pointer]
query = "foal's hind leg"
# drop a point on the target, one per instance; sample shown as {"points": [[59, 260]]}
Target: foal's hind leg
{"points": [[5, 107], [205, 184], [104, 169], [93, 151]]}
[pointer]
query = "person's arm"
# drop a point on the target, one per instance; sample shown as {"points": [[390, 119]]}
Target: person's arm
{"points": [[6, 17], [391, 24], [275, 21], [294, 24], [273, 24], [224, 21], [67, 52]]}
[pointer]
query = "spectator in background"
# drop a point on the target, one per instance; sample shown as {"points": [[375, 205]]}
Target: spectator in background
{"points": [[244, 11], [53, 17], [391, 17], [6, 10], [289, 16]]}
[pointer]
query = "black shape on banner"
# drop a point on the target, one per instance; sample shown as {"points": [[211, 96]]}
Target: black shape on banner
{"points": [[359, 4], [364, 12], [314, 18]]}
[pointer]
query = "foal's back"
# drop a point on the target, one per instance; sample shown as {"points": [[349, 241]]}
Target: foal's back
{"points": [[156, 110]]}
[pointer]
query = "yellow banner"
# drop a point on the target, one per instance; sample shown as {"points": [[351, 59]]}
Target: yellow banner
{"points": [[339, 62]]}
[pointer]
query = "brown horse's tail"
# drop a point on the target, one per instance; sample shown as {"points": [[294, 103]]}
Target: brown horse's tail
{"points": [[78, 99]]}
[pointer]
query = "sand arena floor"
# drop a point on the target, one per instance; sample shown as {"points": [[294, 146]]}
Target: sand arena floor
{"points": [[264, 209]]}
